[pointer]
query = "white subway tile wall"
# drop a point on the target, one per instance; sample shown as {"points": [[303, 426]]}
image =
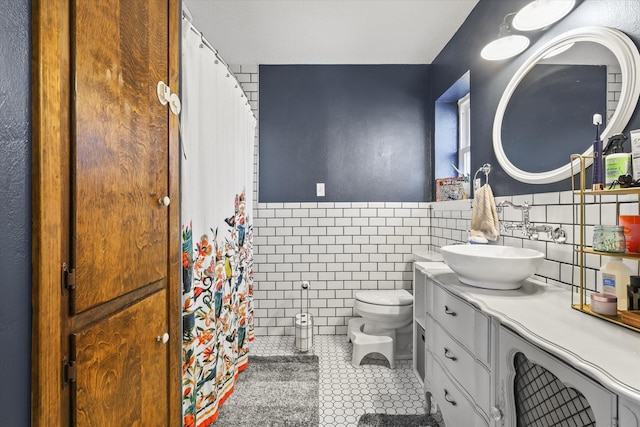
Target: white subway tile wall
{"points": [[614, 89], [247, 76], [341, 248]]}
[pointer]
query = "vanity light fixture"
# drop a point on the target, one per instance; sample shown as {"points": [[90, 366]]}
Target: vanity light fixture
{"points": [[506, 45], [541, 13], [536, 15]]}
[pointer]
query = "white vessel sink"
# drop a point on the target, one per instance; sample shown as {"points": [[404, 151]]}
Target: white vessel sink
{"points": [[492, 266]]}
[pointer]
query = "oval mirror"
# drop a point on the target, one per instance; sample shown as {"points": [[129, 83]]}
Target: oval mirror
{"points": [[579, 73]]}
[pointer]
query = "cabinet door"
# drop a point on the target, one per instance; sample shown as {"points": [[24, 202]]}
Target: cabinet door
{"points": [[628, 413], [551, 383], [121, 148], [122, 368]]}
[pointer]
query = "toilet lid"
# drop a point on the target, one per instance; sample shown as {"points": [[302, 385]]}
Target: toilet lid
{"points": [[386, 297]]}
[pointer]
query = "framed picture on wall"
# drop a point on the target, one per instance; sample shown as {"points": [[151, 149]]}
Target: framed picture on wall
{"points": [[450, 189]]}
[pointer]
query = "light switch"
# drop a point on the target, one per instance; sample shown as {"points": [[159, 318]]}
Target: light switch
{"points": [[320, 189]]}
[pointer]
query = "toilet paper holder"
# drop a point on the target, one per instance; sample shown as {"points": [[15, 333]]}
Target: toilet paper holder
{"points": [[303, 322]]}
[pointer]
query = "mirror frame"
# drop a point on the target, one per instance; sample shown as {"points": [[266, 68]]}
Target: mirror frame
{"points": [[629, 58]]}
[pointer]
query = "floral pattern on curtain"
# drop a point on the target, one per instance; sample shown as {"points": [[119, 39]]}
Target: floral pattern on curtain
{"points": [[217, 297]]}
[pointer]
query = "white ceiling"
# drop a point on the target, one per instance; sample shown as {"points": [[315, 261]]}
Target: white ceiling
{"points": [[329, 31]]}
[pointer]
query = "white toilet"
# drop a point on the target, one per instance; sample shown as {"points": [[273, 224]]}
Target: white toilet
{"points": [[386, 313]]}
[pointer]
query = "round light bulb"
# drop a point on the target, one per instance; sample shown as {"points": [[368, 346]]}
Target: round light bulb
{"points": [[505, 47], [541, 14]]}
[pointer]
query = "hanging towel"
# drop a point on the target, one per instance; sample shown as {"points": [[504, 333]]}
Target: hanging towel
{"points": [[484, 216]]}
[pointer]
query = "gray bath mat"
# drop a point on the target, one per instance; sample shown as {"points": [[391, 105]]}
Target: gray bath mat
{"points": [[384, 420], [274, 391]]}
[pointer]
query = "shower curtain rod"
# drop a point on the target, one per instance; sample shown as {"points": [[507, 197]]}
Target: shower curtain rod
{"points": [[205, 42]]}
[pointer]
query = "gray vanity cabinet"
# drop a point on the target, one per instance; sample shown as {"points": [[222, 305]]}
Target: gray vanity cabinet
{"points": [[488, 357]]}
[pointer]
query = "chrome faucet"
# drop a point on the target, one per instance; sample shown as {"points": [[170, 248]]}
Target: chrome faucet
{"points": [[529, 230], [506, 202], [523, 226]]}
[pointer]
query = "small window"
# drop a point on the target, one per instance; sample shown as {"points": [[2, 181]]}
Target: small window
{"points": [[464, 134]]}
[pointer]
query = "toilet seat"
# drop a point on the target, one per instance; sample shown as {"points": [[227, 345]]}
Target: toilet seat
{"points": [[396, 297]]}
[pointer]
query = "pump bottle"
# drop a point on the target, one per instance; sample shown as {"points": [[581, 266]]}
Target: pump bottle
{"points": [[616, 162]]}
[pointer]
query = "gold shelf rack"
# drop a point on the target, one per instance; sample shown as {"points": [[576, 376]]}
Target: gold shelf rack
{"points": [[582, 250]]}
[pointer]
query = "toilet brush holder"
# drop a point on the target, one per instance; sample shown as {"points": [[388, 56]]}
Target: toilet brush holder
{"points": [[303, 322]]}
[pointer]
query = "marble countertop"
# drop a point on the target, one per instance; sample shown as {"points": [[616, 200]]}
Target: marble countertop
{"points": [[424, 253], [542, 314]]}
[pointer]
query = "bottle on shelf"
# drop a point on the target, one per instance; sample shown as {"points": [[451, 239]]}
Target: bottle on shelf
{"points": [[615, 276]]}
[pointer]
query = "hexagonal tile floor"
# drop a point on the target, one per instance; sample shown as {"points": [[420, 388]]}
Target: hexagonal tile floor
{"points": [[346, 392]]}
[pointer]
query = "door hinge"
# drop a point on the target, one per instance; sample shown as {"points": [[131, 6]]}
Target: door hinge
{"points": [[69, 371], [68, 279]]}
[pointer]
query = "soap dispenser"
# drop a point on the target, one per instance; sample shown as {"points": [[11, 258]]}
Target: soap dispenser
{"points": [[616, 162]]}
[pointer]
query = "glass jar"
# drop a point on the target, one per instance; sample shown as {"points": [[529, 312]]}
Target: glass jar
{"points": [[609, 238]]}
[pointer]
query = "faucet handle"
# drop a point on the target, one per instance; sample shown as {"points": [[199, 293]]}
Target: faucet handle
{"points": [[559, 235]]}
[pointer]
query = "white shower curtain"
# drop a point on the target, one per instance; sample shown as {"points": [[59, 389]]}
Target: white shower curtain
{"points": [[217, 130]]}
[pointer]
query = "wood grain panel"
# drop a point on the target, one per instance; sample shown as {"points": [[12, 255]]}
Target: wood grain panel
{"points": [[50, 198], [175, 267], [121, 368], [121, 148]]}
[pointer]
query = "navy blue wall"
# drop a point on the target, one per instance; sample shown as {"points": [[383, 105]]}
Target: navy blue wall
{"points": [[15, 213], [490, 78], [360, 129]]}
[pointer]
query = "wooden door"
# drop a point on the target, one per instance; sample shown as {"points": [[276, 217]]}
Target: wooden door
{"points": [[106, 294]]}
